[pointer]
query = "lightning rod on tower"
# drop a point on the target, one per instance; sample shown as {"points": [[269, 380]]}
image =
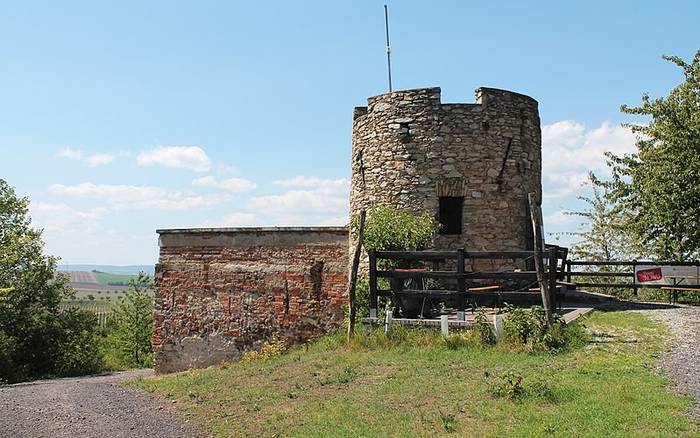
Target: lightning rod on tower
{"points": [[388, 48]]}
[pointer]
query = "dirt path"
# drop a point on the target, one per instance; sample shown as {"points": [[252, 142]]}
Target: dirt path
{"points": [[682, 361], [86, 407]]}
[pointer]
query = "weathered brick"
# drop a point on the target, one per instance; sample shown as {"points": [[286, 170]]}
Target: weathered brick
{"points": [[253, 285]]}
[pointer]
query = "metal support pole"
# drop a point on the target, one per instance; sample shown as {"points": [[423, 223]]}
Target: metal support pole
{"points": [[388, 47]]}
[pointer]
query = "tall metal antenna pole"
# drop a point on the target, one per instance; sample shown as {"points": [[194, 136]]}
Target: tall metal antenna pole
{"points": [[388, 48]]}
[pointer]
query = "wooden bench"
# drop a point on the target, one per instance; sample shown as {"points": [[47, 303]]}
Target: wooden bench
{"points": [[673, 292]]}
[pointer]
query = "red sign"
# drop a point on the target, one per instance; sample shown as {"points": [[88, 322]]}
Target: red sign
{"points": [[653, 274]]}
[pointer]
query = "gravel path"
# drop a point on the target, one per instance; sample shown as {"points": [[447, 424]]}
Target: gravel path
{"points": [[682, 361], [86, 407]]}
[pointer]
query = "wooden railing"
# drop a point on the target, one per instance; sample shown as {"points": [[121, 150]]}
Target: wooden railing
{"points": [[556, 261], [632, 264]]}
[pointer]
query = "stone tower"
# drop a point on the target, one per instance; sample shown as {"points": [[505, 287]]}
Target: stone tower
{"points": [[471, 164]]}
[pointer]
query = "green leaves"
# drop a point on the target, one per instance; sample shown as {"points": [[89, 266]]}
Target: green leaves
{"points": [[131, 327], [392, 229], [36, 338], [658, 187]]}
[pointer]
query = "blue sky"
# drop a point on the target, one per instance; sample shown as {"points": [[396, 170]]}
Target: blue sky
{"points": [[119, 118]]}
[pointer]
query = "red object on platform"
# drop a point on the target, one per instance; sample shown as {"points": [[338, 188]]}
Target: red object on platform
{"points": [[644, 275]]}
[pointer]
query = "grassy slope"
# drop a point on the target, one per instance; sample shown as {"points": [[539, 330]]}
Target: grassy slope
{"points": [[605, 389]]}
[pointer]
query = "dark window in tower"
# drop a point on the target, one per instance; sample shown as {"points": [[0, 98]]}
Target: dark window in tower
{"points": [[450, 214]]}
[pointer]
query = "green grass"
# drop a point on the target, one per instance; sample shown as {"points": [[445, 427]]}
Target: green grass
{"points": [[106, 278], [422, 388]]}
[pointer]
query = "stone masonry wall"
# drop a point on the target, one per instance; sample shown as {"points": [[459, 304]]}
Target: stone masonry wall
{"points": [[409, 149], [222, 292]]}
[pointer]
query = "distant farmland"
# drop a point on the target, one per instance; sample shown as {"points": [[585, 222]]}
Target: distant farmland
{"points": [[98, 287]]}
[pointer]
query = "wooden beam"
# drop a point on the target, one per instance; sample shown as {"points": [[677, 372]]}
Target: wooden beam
{"points": [[453, 255], [352, 283], [536, 219]]}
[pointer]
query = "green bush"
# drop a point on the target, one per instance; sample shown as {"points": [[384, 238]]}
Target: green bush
{"points": [[79, 351], [130, 328], [395, 229], [528, 328]]}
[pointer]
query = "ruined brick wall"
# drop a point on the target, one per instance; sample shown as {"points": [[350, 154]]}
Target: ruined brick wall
{"points": [[409, 149], [221, 292]]}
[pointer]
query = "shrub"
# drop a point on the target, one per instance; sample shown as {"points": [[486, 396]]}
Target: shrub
{"points": [[483, 330], [528, 328], [79, 351], [128, 340], [394, 229]]}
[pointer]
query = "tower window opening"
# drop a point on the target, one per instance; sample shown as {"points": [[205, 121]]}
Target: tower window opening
{"points": [[404, 132], [450, 214]]}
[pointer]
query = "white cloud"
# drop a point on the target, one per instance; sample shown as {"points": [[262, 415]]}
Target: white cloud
{"points": [[230, 184], [128, 197], [316, 201], [61, 215], [182, 157], [99, 159], [93, 160], [570, 151], [306, 181]]}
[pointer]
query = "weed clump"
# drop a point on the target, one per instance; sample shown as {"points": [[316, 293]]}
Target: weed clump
{"points": [[528, 328], [480, 335], [512, 386], [268, 350]]}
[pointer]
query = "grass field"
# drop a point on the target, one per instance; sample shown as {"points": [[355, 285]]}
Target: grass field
{"points": [[607, 388], [106, 278]]}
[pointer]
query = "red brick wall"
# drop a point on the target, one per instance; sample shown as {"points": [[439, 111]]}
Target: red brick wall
{"points": [[218, 295]]}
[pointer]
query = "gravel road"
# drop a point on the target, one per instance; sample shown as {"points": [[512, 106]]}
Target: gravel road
{"points": [[86, 407], [682, 361]]}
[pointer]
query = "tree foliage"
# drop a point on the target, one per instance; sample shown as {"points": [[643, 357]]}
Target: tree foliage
{"points": [[128, 343], [37, 339], [658, 186], [388, 228], [601, 236], [394, 229]]}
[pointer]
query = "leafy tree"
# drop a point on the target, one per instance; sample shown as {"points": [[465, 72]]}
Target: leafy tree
{"points": [[36, 338], [658, 185], [601, 236], [393, 229], [131, 327]]}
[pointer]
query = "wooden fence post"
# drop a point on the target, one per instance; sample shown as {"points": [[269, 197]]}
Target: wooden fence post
{"points": [[635, 290], [352, 281], [552, 271], [536, 218], [372, 283], [461, 299]]}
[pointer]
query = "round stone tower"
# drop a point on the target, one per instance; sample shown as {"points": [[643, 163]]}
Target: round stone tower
{"points": [[471, 164]]}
